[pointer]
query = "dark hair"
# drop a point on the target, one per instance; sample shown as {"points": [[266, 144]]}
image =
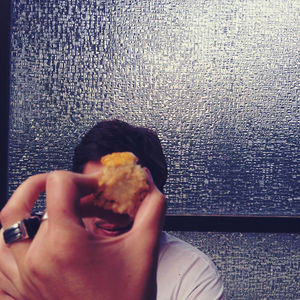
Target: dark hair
{"points": [[118, 136]]}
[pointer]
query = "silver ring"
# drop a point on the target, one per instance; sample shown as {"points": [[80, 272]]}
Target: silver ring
{"points": [[22, 230], [44, 217]]}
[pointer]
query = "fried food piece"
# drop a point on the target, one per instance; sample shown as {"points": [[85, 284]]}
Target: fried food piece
{"points": [[122, 183]]}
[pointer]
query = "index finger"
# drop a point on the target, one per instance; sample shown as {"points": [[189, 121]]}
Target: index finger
{"points": [[63, 192]]}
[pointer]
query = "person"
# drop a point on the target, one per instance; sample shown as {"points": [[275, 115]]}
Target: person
{"points": [[182, 271]]}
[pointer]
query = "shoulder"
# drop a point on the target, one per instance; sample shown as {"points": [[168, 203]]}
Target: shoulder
{"points": [[185, 272], [171, 246]]}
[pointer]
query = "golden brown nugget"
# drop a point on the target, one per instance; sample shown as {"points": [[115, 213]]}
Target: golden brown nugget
{"points": [[122, 183]]}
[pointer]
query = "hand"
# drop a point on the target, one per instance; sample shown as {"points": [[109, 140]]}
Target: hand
{"points": [[64, 260]]}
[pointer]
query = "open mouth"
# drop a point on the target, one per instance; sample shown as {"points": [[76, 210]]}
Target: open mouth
{"points": [[112, 229]]}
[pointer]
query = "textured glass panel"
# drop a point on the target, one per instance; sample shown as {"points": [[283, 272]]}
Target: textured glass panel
{"points": [[218, 80], [253, 266]]}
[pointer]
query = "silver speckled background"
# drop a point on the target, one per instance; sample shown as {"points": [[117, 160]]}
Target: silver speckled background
{"points": [[218, 80]]}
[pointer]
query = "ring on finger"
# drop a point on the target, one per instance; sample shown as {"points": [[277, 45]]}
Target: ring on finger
{"points": [[44, 217], [22, 230]]}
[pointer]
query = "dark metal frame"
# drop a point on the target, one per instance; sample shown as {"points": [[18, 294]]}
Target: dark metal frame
{"points": [[5, 9], [231, 223]]}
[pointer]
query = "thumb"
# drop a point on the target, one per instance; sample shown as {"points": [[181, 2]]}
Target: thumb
{"points": [[149, 219]]}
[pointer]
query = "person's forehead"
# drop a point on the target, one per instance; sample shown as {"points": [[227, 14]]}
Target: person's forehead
{"points": [[91, 167]]}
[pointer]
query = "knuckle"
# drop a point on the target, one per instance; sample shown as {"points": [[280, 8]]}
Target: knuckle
{"points": [[5, 215], [31, 265], [29, 180], [38, 266], [58, 177]]}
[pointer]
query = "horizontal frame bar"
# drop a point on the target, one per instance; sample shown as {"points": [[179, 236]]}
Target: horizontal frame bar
{"points": [[233, 223], [218, 223]]}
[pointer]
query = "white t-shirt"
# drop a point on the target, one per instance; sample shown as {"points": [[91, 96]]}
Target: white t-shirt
{"points": [[186, 273]]}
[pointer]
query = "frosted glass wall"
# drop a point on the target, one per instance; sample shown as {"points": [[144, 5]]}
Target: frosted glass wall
{"points": [[218, 80]]}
